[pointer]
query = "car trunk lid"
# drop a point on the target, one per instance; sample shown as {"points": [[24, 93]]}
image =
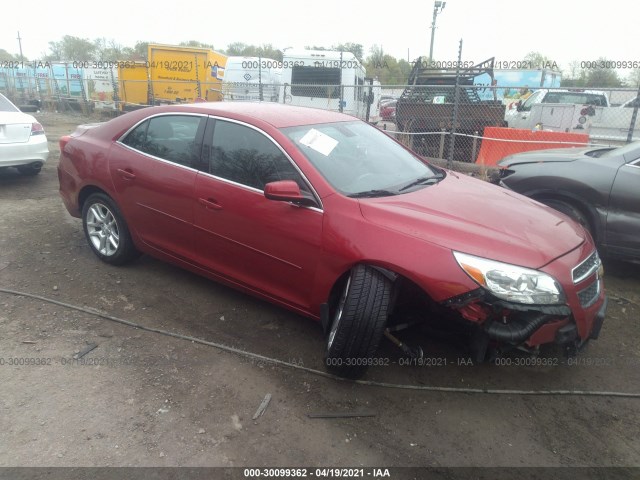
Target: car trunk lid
{"points": [[15, 127]]}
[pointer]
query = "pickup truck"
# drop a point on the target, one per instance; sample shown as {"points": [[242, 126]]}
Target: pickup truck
{"points": [[426, 109], [575, 111], [558, 110]]}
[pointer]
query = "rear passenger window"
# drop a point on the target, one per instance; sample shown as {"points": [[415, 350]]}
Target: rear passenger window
{"points": [[245, 156], [169, 137]]}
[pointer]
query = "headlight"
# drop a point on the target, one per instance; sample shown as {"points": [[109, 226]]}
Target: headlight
{"points": [[510, 282]]}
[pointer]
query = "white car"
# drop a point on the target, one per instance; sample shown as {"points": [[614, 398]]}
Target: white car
{"points": [[23, 143]]}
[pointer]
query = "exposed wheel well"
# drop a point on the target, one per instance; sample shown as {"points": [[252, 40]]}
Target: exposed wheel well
{"points": [[406, 294], [86, 191]]}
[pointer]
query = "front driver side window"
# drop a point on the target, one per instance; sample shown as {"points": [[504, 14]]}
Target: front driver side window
{"points": [[246, 156], [528, 103]]}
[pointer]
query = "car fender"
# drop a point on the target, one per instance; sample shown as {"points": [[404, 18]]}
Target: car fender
{"points": [[395, 253], [597, 215]]}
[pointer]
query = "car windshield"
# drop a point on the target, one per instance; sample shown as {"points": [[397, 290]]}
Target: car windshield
{"points": [[359, 160], [6, 105], [578, 98]]}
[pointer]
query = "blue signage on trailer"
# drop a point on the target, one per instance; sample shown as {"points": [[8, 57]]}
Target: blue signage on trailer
{"points": [[510, 84]]}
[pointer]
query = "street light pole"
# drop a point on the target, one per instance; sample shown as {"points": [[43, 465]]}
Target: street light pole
{"points": [[20, 45], [437, 8]]}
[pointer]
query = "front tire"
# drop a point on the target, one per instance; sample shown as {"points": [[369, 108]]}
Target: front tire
{"points": [[106, 230], [358, 323]]}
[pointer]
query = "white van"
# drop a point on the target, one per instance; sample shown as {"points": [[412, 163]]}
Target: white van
{"points": [[251, 79]]}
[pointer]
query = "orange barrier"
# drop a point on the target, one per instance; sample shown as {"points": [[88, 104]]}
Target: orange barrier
{"points": [[492, 151]]}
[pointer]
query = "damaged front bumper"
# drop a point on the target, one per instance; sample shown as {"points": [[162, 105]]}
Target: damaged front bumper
{"points": [[569, 325]]}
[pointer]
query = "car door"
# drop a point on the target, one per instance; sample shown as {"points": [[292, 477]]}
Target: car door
{"points": [[520, 118], [271, 246], [152, 168], [623, 217]]}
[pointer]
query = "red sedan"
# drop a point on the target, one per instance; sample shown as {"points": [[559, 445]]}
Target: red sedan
{"points": [[388, 111], [328, 216]]}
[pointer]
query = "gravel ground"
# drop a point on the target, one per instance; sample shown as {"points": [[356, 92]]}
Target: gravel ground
{"points": [[144, 399]]}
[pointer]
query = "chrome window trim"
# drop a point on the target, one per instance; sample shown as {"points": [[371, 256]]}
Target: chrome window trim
{"points": [[217, 117], [153, 157], [252, 189], [120, 142], [161, 114]]}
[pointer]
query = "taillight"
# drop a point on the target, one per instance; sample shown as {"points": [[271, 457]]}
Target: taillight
{"points": [[63, 141], [37, 129]]}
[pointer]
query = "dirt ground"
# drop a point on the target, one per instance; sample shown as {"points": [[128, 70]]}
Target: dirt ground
{"points": [[144, 399]]}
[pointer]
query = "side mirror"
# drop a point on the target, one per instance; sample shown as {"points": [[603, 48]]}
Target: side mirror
{"points": [[287, 191], [519, 106]]}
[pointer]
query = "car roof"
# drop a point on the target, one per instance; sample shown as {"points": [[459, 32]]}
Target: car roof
{"points": [[573, 90], [276, 114]]}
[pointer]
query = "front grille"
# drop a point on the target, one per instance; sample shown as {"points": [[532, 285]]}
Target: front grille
{"points": [[586, 268], [589, 295]]}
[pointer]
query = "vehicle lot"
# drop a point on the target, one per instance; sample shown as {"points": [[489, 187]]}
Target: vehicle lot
{"points": [[158, 400]]}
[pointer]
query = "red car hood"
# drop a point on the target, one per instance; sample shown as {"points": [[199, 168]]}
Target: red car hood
{"points": [[475, 217]]}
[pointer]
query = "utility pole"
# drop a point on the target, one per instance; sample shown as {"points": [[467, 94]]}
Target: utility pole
{"points": [[437, 8], [456, 104], [20, 45]]}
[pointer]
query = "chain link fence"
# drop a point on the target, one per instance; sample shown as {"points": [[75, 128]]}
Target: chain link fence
{"points": [[490, 122], [469, 123]]}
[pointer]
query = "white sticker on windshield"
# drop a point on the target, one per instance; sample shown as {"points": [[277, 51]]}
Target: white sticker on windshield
{"points": [[320, 142]]}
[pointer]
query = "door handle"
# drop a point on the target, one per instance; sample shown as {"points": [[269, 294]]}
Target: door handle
{"points": [[209, 204], [126, 174]]}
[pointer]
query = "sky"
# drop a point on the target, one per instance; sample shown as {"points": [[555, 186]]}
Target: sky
{"points": [[565, 30]]}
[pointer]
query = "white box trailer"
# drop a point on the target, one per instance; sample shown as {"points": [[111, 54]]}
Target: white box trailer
{"points": [[252, 79], [326, 79]]}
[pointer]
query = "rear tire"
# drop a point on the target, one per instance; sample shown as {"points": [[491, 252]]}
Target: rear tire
{"points": [[358, 321], [106, 230]]}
